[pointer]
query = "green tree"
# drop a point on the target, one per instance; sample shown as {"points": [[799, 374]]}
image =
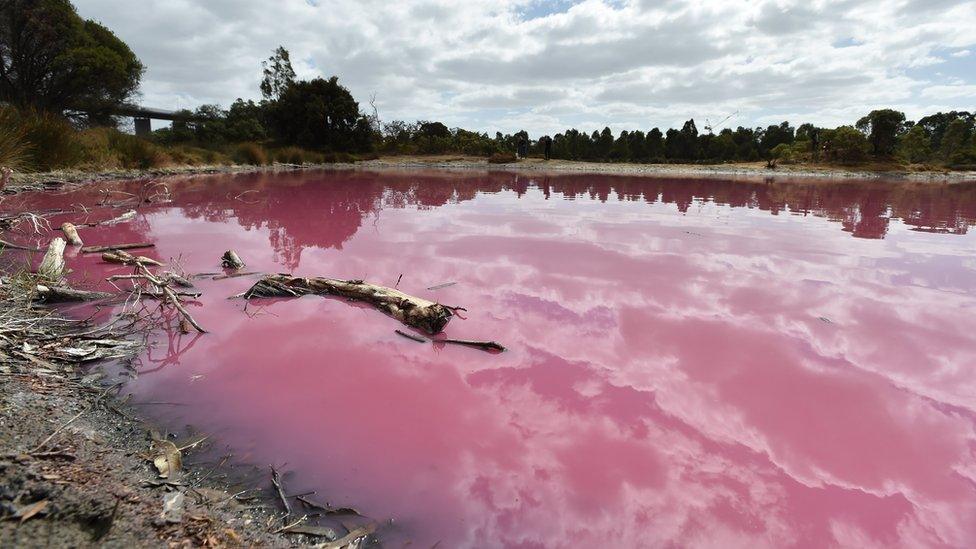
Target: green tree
{"points": [[937, 124], [914, 146], [655, 145], [278, 74], [846, 144], [882, 128], [319, 114], [52, 59], [775, 135], [956, 141], [620, 150], [244, 122]]}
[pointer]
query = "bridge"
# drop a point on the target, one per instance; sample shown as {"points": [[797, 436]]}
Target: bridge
{"points": [[142, 116]]}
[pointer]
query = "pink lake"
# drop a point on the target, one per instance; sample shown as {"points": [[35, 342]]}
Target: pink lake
{"points": [[691, 362]]}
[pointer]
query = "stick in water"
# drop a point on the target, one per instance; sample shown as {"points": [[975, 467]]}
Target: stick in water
{"points": [[133, 246]]}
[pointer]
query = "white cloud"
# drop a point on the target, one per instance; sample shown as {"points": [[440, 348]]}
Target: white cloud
{"points": [[507, 64]]}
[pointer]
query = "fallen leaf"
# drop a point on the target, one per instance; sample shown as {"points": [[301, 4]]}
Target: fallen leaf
{"points": [[168, 460], [27, 512]]}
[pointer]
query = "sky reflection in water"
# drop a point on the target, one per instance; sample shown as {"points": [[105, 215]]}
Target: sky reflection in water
{"points": [[698, 362]]}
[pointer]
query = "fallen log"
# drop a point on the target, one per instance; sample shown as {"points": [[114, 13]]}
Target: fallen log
{"points": [[71, 234], [52, 265], [230, 260], [125, 258], [413, 311], [62, 294], [133, 246]]}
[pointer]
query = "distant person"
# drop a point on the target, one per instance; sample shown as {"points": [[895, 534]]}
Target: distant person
{"points": [[547, 147]]}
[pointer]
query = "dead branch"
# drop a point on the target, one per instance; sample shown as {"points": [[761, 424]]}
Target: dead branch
{"points": [[234, 275], [71, 234], [133, 246], [172, 298], [125, 258], [444, 285], [127, 216], [413, 311], [276, 481], [483, 345], [12, 246], [52, 266], [61, 294], [230, 260], [416, 338]]}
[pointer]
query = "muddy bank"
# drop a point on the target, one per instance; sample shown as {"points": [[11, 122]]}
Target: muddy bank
{"points": [[79, 468]]}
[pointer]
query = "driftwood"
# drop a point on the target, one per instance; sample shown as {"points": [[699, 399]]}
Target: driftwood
{"points": [[52, 266], [231, 260], [61, 294], [483, 345], [127, 216], [168, 295], [413, 311], [125, 258], [134, 246], [159, 288], [71, 234]]}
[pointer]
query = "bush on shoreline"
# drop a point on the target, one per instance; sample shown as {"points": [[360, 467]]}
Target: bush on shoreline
{"points": [[41, 142]]}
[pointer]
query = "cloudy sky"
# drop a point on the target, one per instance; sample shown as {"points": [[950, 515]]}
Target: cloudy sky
{"points": [[547, 65]]}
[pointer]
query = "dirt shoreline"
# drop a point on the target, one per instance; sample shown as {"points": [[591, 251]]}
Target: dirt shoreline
{"points": [[39, 181]]}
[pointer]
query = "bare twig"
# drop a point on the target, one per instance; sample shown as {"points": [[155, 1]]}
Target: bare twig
{"points": [[276, 481], [483, 345], [416, 338]]}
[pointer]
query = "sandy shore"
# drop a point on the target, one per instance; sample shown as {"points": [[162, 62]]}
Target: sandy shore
{"points": [[751, 169]]}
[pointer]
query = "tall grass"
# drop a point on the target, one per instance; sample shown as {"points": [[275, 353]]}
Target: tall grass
{"points": [[14, 148], [251, 154]]}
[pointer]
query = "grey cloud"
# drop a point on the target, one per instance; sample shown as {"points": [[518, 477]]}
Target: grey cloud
{"points": [[603, 62]]}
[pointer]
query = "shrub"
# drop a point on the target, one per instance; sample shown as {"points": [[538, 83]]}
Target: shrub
{"points": [[251, 154], [135, 152], [502, 158], [783, 152], [53, 141], [290, 155], [98, 153]]}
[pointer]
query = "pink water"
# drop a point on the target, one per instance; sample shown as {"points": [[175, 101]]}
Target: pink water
{"points": [[691, 362]]}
